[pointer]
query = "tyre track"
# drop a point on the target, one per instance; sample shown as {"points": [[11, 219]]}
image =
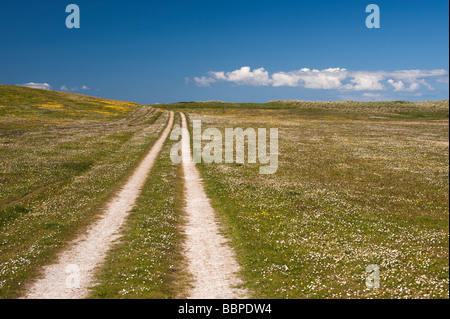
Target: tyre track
{"points": [[211, 261], [73, 274]]}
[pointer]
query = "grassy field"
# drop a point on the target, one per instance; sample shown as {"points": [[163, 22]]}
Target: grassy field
{"points": [[148, 263], [357, 184], [61, 157]]}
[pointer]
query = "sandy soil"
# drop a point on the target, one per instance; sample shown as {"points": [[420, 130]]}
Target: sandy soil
{"points": [[73, 274], [211, 260]]}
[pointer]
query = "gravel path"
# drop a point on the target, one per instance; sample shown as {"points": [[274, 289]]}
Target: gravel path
{"points": [[73, 274], [211, 261]]}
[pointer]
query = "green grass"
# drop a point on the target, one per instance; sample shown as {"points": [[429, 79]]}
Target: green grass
{"points": [[350, 191], [148, 263], [58, 169], [357, 184]]}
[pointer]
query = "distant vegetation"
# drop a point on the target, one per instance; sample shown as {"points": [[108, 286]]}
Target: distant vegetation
{"points": [[392, 109]]}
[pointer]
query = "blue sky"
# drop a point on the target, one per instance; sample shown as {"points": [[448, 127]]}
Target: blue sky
{"points": [[229, 50]]}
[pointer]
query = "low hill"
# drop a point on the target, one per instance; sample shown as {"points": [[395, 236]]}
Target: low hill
{"points": [[349, 109], [37, 106]]}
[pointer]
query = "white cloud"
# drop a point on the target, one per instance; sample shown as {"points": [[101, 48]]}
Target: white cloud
{"points": [[74, 89], [371, 80], [443, 79], [412, 76], [311, 79], [42, 86], [368, 81], [413, 87], [242, 76], [426, 84], [204, 81], [46, 86], [372, 95], [400, 86], [329, 79], [285, 79]]}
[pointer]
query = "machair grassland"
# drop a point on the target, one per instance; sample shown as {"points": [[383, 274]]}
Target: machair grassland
{"points": [[62, 156], [357, 184]]}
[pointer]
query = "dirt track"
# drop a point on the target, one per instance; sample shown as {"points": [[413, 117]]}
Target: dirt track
{"points": [[73, 274], [211, 261]]}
